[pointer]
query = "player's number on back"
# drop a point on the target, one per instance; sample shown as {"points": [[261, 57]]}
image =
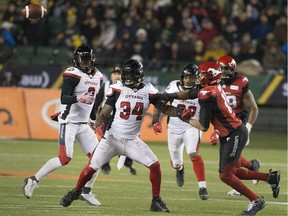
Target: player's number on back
{"points": [[223, 95], [232, 101], [126, 112]]}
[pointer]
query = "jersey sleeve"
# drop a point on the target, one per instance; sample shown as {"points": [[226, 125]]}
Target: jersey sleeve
{"points": [[68, 86], [113, 93], [206, 97], [245, 83]]}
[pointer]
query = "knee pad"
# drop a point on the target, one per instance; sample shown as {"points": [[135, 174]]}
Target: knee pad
{"points": [[64, 159]]}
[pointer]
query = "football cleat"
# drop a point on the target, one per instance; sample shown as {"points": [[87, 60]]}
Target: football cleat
{"points": [[106, 169], [29, 186], [158, 205], [233, 192], [255, 166], [90, 198], [132, 170], [69, 197], [254, 207], [203, 193], [180, 177], [274, 181]]}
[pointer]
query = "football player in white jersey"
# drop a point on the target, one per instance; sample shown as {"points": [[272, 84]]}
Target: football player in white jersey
{"points": [[181, 134], [81, 83], [100, 101], [130, 100]]}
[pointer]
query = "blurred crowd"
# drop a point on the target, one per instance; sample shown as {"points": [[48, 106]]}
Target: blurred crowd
{"points": [[155, 31]]}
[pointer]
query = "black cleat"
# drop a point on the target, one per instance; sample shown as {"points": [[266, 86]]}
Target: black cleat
{"points": [[106, 169], [255, 166], [180, 177], [274, 181], [254, 207], [203, 193], [158, 205], [132, 170], [69, 197]]}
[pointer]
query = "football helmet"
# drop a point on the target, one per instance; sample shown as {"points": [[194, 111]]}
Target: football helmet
{"points": [[132, 73], [84, 58], [192, 71], [227, 65], [210, 73]]}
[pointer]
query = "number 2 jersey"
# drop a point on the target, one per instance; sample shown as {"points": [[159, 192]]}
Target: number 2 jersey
{"points": [[234, 89], [176, 125], [77, 83], [129, 108], [215, 107]]}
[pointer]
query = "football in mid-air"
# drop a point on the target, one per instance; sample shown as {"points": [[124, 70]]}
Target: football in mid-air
{"points": [[34, 11]]}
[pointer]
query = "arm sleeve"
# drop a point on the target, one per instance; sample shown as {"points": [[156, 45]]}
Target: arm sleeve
{"points": [[193, 93], [69, 84], [99, 97], [206, 112], [111, 100]]}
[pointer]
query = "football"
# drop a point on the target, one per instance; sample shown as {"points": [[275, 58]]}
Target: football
{"points": [[34, 11]]}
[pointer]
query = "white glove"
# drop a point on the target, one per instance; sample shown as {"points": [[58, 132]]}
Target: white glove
{"points": [[86, 98], [248, 126]]}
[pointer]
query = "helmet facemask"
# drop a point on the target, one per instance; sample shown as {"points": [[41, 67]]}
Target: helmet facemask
{"points": [[84, 59]]}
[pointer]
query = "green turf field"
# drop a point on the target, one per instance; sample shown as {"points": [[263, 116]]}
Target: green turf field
{"points": [[123, 194]]}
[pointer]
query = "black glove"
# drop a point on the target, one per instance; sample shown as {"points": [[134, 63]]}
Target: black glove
{"points": [[165, 97]]}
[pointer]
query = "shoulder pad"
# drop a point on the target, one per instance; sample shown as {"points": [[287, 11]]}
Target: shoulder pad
{"points": [[150, 88], [173, 87], [73, 71]]}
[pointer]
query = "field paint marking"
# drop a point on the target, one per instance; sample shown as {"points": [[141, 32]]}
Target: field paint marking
{"points": [[11, 173], [141, 198]]}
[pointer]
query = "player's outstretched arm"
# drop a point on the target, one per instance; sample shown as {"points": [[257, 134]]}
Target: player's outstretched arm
{"points": [[104, 114]]}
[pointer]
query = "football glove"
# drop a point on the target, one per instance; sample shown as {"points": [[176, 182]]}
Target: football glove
{"points": [[214, 138], [100, 129], [184, 114], [86, 98], [248, 126], [157, 127], [165, 98]]}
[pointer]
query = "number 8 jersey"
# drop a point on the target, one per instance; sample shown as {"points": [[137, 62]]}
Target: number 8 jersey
{"points": [[129, 108], [176, 125]]}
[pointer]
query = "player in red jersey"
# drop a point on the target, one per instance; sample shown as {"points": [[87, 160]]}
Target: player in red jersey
{"points": [[233, 136], [241, 100]]}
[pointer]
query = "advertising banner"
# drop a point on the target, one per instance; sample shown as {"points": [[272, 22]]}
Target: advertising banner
{"points": [[13, 121], [40, 105]]}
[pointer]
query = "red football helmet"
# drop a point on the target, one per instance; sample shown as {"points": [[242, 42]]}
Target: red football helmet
{"points": [[227, 65], [210, 73]]}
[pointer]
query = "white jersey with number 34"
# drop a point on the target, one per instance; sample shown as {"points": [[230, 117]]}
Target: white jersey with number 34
{"points": [[130, 109]]}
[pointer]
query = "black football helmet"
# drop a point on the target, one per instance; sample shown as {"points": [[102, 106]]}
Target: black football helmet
{"points": [[189, 70], [84, 58], [132, 73]]}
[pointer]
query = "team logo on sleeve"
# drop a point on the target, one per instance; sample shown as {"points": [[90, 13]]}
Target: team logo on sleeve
{"points": [[204, 92]]}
